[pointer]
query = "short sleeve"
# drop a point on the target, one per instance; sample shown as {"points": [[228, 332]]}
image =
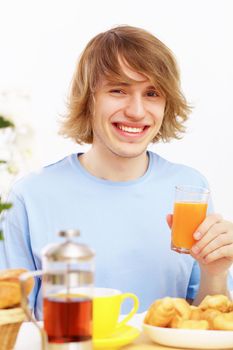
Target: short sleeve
{"points": [[16, 235], [230, 282], [16, 243], [194, 282]]}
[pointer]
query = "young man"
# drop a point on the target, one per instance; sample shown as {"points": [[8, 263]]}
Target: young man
{"points": [[125, 94]]}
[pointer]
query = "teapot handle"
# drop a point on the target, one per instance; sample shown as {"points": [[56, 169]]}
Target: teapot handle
{"points": [[24, 304]]}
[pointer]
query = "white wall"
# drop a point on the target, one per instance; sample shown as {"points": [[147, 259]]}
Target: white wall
{"points": [[41, 40]]}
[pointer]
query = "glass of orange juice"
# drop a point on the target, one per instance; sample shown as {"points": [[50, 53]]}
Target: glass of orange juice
{"points": [[189, 211]]}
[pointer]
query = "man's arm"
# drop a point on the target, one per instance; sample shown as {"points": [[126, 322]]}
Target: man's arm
{"points": [[214, 253], [211, 285], [17, 248]]}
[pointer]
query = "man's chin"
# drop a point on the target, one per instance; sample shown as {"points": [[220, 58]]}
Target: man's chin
{"points": [[130, 154]]}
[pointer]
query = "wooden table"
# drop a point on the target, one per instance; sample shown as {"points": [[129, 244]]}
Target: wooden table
{"points": [[29, 339]]}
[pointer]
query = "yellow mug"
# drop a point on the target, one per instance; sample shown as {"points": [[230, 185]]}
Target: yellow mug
{"points": [[107, 308]]}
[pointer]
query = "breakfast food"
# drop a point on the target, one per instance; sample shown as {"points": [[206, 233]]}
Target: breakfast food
{"points": [[192, 324], [161, 312], [182, 312], [209, 315], [216, 302], [214, 312], [224, 321], [10, 293], [11, 314], [196, 313]]}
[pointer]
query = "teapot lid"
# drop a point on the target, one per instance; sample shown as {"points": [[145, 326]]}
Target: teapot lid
{"points": [[68, 250]]}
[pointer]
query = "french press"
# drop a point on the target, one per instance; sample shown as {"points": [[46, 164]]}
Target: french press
{"points": [[67, 290]]}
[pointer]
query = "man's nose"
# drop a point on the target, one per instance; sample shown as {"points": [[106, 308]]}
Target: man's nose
{"points": [[135, 107]]}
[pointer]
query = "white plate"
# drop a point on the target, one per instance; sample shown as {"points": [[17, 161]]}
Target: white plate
{"points": [[190, 339]]}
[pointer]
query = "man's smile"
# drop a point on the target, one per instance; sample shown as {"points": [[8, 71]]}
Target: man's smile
{"points": [[130, 129]]}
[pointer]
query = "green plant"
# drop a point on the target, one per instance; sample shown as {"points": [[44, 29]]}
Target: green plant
{"points": [[4, 123]]}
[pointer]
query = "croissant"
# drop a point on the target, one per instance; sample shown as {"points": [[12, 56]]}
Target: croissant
{"points": [[193, 324], [218, 302], [196, 313], [182, 312], [10, 293], [209, 315], [230, 307], [182, 308], [224, 322], [160, 312]]}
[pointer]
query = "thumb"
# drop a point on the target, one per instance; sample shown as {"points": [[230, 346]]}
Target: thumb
{"points": [[169, 220]]}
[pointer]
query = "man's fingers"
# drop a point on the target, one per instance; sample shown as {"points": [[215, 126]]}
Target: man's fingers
{"points": [[222, 252], [209, 221], [218, 242], [169, 220], [215, 231]]}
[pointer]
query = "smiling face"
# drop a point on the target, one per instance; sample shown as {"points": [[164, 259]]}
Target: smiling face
{"points": [[127, 115]]}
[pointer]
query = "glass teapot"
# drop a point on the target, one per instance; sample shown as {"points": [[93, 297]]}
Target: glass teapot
{"points": [[67, 289]]}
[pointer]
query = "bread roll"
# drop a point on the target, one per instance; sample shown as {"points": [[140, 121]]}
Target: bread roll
{"points": [[160, 312], [218, 302], [9, 316], [10, 293]]}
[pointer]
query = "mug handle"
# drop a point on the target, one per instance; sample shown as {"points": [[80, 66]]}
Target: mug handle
{"points": [[24, 303], [132, 311]]}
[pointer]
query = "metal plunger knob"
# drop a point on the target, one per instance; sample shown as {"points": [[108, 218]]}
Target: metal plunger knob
{"points": [[69, 233]]}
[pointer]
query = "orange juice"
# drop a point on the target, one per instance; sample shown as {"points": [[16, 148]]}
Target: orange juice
{"points": [[187, 217]]}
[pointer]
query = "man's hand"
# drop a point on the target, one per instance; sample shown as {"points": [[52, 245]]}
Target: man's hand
{"points": [[214, 247], [214, 252]]}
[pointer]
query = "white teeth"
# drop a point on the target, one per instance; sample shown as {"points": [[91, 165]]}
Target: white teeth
{"points": [[129, 129]]}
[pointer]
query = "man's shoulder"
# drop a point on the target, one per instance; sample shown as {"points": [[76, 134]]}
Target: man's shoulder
{"points": [[188, 171], [42, 177], [178, 170]]}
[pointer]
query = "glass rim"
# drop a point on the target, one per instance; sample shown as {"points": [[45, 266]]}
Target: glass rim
{"points": [[192, 189]]}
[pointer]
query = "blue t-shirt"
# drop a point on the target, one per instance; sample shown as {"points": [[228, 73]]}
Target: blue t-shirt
{"points": [[124, 222]]}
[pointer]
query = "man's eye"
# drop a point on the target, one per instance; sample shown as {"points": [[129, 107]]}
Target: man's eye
{"points": [[152, 93], [116, 91]]}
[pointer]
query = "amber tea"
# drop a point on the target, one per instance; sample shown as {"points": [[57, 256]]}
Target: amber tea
{"points": [[67, 319]]}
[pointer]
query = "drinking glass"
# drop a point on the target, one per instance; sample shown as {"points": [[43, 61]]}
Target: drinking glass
{"points": [[189, 212]]}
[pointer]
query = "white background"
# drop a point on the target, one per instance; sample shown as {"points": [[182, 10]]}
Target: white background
{"points": [[40, 42]]}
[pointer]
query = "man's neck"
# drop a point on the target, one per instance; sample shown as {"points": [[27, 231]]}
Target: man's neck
{"points": [[114, 168]]}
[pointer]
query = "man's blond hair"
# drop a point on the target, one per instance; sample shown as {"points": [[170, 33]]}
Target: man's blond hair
{"points": [[145, 54]]}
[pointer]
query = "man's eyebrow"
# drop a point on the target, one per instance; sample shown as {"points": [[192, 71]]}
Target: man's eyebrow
{"points": [[115, 83], [109, 84], [152, 87]]}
